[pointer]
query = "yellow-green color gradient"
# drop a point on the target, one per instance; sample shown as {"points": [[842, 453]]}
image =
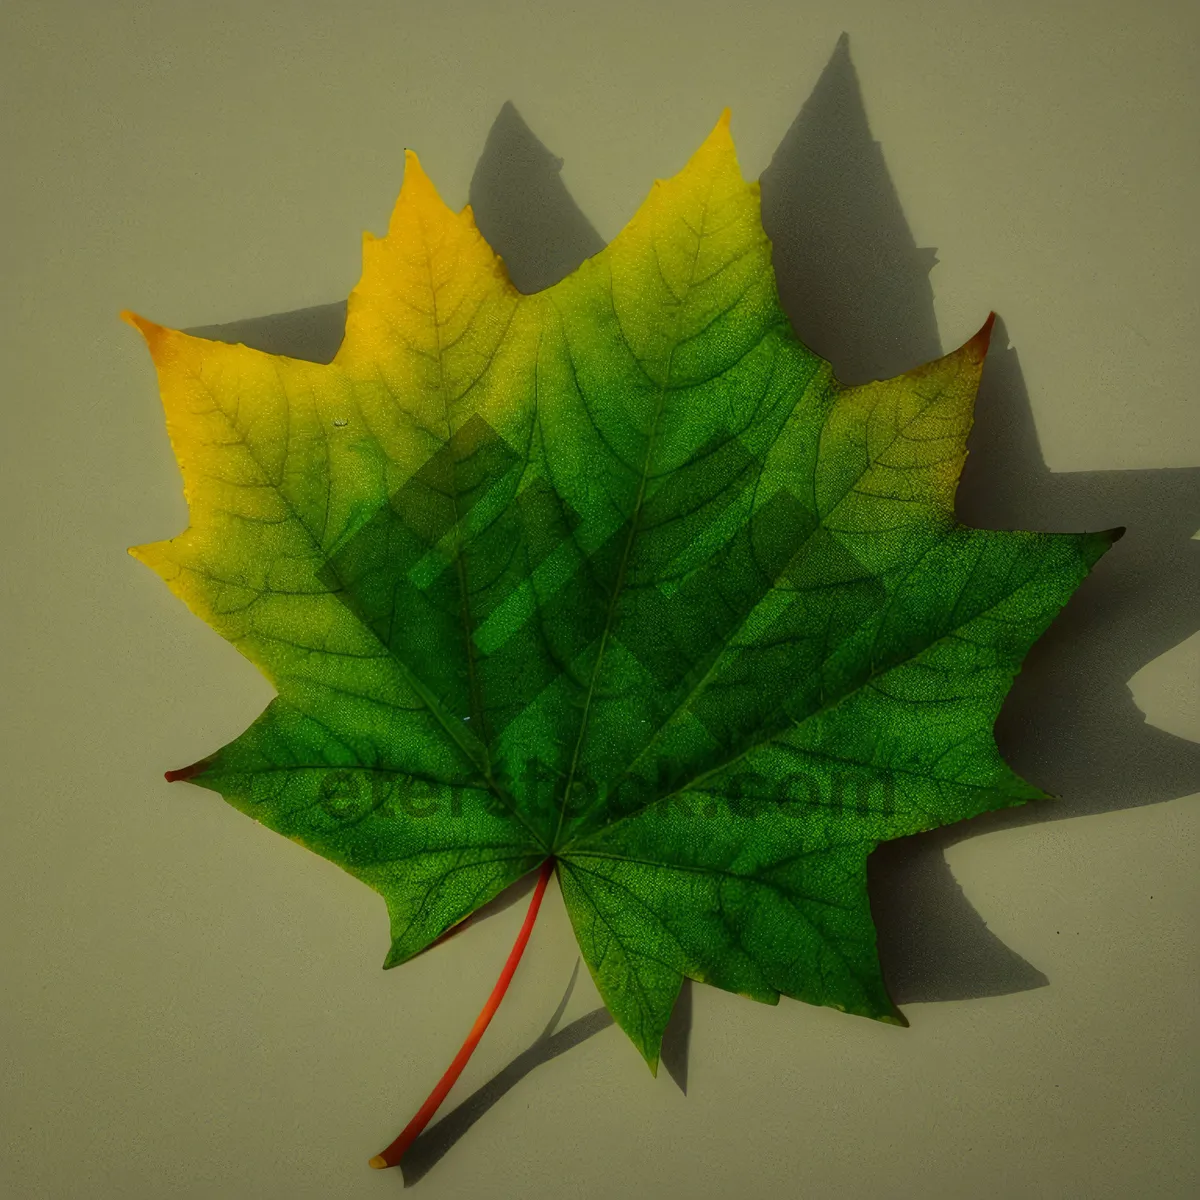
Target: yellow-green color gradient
{"points": [[616, 573]]}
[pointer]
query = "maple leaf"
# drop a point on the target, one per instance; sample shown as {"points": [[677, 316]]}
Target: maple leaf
{"points": [[614, 580]]}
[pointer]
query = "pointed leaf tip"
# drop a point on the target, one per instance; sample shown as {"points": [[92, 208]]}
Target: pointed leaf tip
{"points": [[717, 148], [139, 323], [416, 178], [150, 330], [417, 193], [978, 345], [720, 133], [185, 773]]}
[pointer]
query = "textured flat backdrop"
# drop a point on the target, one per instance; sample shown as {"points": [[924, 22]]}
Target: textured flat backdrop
{"points": [[192, 1006]]}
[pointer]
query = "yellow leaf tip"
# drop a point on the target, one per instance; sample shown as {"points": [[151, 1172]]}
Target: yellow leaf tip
{"points": [[140, 323], [415, 175], [146, 553], [720, 134], [150, 330], [417, 193], [717, 150], [378, 1162]]}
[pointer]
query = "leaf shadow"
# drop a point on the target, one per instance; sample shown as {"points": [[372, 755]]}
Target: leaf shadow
{"points": [[677, 1037], [857, 289], [436, 1142]]}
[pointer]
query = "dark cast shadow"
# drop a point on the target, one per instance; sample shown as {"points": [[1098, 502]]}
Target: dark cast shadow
{"points": [[857, 289], [523, 208], [435, 1142], [677, 1037]]}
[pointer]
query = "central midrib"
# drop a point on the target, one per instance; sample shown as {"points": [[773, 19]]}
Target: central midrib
{"points": [[474, 699], [660, 404]]}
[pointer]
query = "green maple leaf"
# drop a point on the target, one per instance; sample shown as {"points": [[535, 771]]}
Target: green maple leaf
{"points": [[615, 577]]}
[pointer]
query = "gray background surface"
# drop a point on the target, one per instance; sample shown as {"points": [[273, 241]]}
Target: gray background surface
{"points": [[192, 1006]]}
